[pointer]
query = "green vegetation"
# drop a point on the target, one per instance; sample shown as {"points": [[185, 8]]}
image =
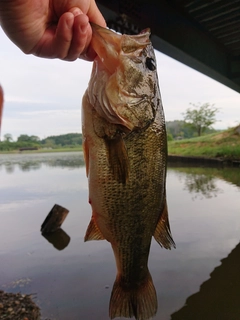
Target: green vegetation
{"points": [[197, 121], [201, 117], [65, 142], [179, 129], [225, 145]]}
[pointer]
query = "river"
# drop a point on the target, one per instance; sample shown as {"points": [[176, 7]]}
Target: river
{"points": [[72, 280]]}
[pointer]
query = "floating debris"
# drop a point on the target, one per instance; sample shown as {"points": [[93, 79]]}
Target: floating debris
{"points": [[54, 219]]}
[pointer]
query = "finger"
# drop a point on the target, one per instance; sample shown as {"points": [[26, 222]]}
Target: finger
{"points": [[81, 37], [88, 55], [56, 40], [63, 36], [95, 15]]}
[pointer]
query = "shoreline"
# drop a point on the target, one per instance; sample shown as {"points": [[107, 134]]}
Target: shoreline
{"points": [[172, 158], [220, 162]]}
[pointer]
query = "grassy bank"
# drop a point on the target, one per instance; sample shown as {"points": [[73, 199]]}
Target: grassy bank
{"points": [[218, 145]]}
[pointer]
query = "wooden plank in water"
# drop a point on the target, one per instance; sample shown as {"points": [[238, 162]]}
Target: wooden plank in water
{"points": [[54, 219], [59, 238]]}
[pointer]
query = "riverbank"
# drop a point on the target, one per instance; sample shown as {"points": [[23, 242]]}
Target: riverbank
{"points": [[222, 147], [202, 161]]}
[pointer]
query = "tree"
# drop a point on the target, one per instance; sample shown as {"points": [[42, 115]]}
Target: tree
{"points": [[34, 139], [8, 137], [201, 117], [24, 137]]}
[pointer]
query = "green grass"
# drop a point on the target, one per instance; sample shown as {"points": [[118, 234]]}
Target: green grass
{"points": [[219, 145]]}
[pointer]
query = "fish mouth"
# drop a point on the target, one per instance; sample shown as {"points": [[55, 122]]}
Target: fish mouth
{"points": [[115, 103], [109, 45]]}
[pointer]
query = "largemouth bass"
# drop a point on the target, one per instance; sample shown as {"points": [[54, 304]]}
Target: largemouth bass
{"points": [[125, 152]]}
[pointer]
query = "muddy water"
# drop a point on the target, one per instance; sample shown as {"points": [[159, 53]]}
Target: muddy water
{"points": [[72, 279]]}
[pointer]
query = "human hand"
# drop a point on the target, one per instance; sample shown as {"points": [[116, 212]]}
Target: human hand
{"points": [[51, 28]]}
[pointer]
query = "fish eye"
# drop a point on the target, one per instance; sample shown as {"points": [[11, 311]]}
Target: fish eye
{"points": [[150, 64]]}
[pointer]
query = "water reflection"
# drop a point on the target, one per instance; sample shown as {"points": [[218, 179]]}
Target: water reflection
{"points": [[199, 183], [28, 162], [218, 297], [203, 185], [229, 174], [59, 239], [202, 182]]}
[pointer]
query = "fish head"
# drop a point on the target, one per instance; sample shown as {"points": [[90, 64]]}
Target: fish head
{"points": [[123, 87]]}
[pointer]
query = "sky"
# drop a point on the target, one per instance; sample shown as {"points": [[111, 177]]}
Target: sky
{"points": [[43, 97]]}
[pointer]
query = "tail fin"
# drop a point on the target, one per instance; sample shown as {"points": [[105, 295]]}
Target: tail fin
{"points": [[140, 302]]}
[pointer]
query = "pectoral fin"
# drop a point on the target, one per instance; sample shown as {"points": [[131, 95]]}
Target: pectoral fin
{"points": [[162, 233], [93, 232], [118, 159], [86, 154]]}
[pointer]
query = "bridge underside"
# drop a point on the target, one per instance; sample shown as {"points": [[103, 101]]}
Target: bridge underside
{"points": [[204, 35]]}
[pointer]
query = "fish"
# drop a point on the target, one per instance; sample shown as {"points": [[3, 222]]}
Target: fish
{"points": [[125, 151], [1, 106]]}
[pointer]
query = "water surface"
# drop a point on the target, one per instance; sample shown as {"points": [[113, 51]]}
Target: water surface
{"points": [[197, 280]]}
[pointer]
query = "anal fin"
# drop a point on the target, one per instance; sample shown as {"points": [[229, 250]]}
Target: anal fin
{"points": [[93, 232], [162, 232]]}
